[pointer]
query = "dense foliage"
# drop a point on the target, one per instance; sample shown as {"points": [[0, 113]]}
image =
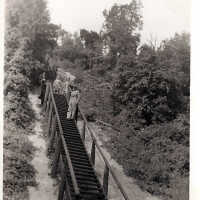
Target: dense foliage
{"points": [[18, 118], [151, 94], [151, 105], [143, 90], [29, 36]]}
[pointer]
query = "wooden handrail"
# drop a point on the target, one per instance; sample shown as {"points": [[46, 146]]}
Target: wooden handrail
{"points": [[104, 158], [92, 134], [71, 170]]}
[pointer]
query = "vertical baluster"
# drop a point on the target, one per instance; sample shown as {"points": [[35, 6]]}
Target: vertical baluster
{"points": [[45, 97], [48, 103], [46, 107], [67, 193], [56, 156], [93, 153], [83, 131], [105, 180], [53, 132], [50, 117], [76, 115], [52, 120], [63, 181]]}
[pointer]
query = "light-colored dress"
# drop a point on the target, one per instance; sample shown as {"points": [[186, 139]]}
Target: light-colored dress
{"points": [[57, 87], [67, 90], [73, 102]]}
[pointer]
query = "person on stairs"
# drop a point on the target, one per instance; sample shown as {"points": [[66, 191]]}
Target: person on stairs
{"points": [[43, 88], [73, 102], [66, 90], [58, 87]]}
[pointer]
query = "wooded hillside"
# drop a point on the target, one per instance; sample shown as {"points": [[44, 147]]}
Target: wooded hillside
{"points": [[141, 89]]}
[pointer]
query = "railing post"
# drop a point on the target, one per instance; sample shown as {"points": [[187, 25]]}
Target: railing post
{"points": [[105, 180], [56, 157], [45, 97], [76, 115], [93, 153], [50, 117], [83, 131], [48, 103], [52, 122], [63, 181], [53, 132]]}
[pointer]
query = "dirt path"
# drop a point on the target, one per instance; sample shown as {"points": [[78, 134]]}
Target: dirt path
{"points": [[128, 183], [46, 189]]}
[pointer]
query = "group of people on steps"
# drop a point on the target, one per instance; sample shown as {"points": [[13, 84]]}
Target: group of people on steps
{"points": [[66, 88]]}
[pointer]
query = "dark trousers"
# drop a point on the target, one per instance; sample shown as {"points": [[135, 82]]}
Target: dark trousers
{"points": [[42, 93]]}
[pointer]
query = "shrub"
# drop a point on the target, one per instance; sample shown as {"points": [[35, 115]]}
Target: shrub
{"points": [[91, 115], [151, 98], [157, 155]]}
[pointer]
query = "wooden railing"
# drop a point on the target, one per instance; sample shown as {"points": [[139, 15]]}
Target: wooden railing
{"points": [[107, 170], [52, 114], [53, 117]]}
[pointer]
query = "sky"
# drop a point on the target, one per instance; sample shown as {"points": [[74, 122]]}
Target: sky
{"points": [[161, 18]]}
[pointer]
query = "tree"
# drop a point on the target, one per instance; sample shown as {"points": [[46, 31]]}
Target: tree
{"points": [[174, 57], [91, 40], [30, 19], [121, 29], [71, 47], [156, 88]]}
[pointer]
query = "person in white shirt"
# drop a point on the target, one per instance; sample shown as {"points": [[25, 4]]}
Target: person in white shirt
{"points": [[67, 90], [73, 103], [57, 87]]}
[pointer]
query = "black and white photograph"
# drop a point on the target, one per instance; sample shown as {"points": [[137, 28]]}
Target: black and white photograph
{"points": [[96, 100]]}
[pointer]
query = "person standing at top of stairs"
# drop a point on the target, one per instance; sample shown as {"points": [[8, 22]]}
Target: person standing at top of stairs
{"points": [[73, 102], [66, 90], [51, 72], [43, 87]]}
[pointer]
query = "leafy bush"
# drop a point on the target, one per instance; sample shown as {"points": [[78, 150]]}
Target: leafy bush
{"points": [[18, 173], [24, 63], [18, 151], [157, 155], [17, 83], [91, 115], [151, 98]]}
